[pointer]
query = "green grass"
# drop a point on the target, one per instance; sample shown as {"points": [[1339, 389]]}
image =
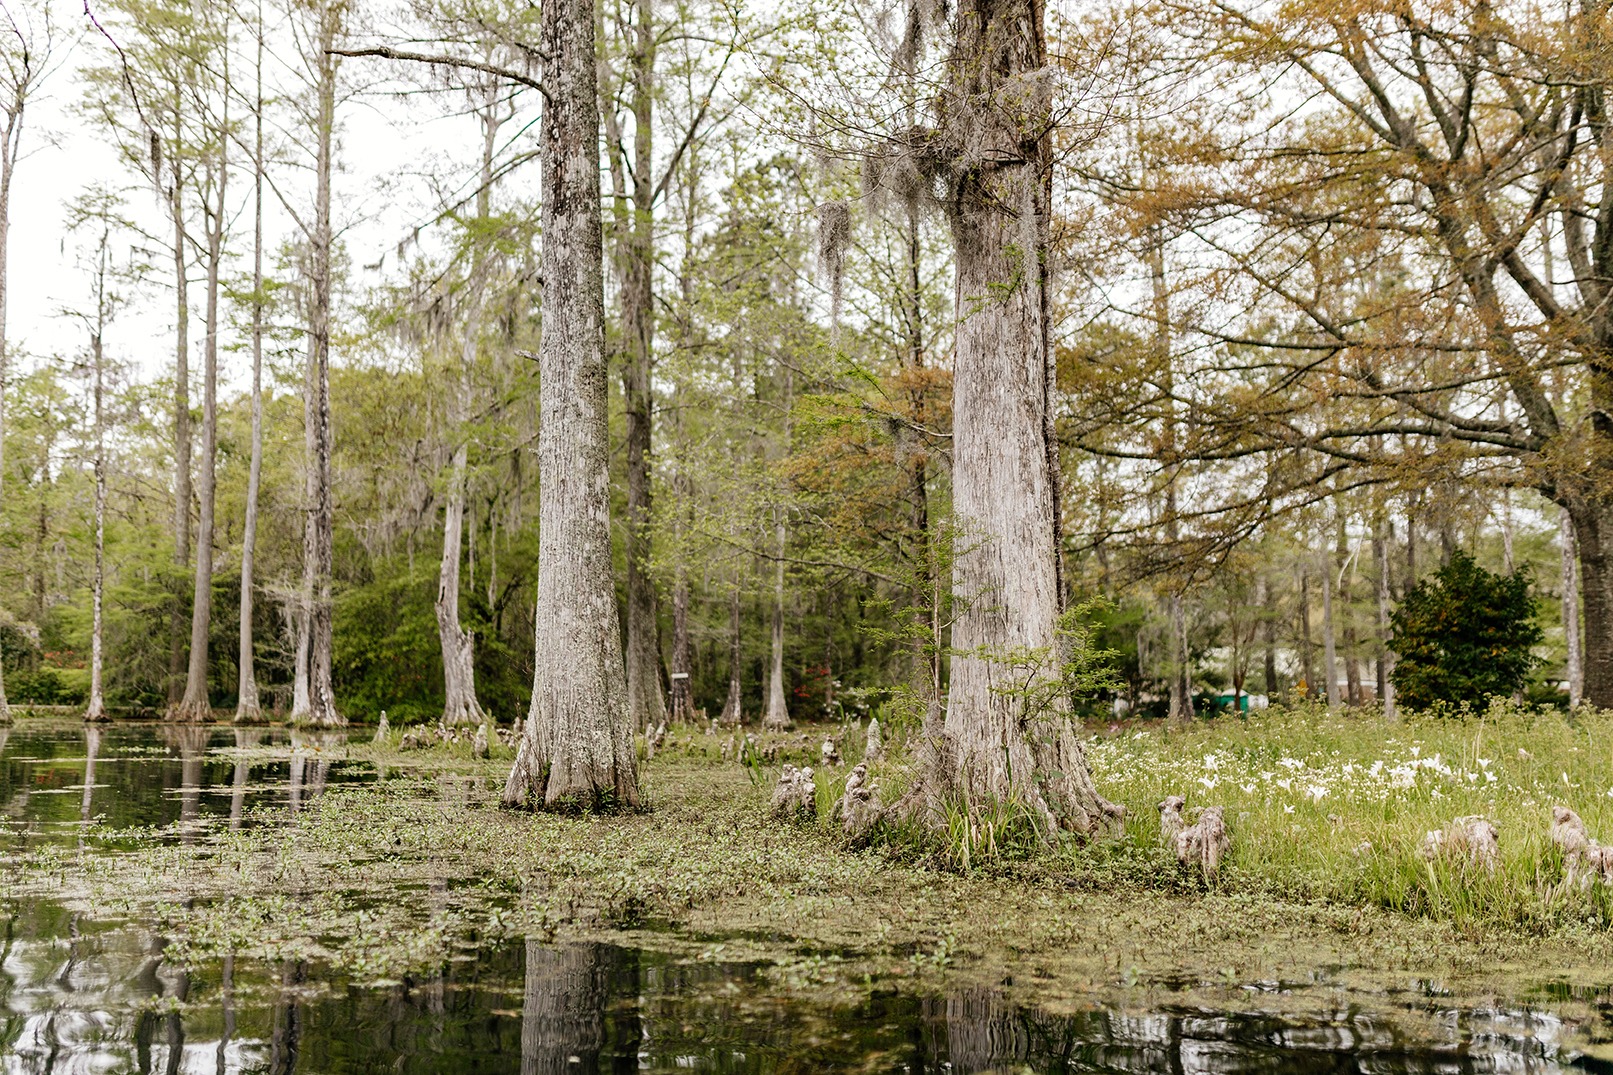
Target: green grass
{"points": [[1335, 806]]}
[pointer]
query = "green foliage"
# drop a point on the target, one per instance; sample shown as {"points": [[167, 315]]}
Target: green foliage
{"points": [[48, 686], [386, 653], [1464, 634]]}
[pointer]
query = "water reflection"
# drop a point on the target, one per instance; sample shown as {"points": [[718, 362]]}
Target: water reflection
{"points": [[81, 994]]}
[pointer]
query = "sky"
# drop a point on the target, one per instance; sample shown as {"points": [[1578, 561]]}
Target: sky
{"points": [[385, 144]]}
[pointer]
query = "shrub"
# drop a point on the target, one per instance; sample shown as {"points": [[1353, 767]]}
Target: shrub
{"points": [[1464, 634]]}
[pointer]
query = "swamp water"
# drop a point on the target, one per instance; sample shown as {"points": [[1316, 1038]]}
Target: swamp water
{"points": [[89, 991]]}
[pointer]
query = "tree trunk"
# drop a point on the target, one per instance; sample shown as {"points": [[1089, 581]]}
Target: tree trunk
{"points": [[646, 704], [248, 706], [777, 717], [1268, 632], [682, 692], [1352, 658], [999, 742], [578, 749], [1575, 664], [1593, 533], [1181, 677], [318, 707], [460, 705], [1386, 656], [11, 133], [196, 704], [733, 710], [96, 709], [176, 651], [1330, 660]]}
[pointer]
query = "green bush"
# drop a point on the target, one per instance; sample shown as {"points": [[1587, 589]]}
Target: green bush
{"points": [[1464, 634]]}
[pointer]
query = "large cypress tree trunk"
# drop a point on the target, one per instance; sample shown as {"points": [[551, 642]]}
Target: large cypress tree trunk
{"points": [[578, 748], [318, 707], [1593, 530], [196, 705], [1005, 574]]}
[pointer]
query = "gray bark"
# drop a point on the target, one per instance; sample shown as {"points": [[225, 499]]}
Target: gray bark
{"points": [[96, 708], [1005, 573], [196, 704], [1386, 656], [460, 705], [733, 706], [578, 749], [317, 705], [1330, 661], [248, 705], [1575, 665], [682, 693], [182, 434], [646, 703], [777, 716]]}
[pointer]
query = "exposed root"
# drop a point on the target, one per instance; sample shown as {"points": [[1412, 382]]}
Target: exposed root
{"points": [[479, 746], [383, 731], [1584, 860], [859, 810], [796, 796], [1171, 821], [830, 754], [1472, 840], [1204, 843], [195, 711], [873, 742]]}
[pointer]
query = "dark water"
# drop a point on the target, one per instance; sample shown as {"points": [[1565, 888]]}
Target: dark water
{"points": [[84, 995]]}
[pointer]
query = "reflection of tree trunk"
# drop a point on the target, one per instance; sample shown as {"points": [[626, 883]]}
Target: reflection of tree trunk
{"points": [[563, 1014], [244, 740], [92, 747], [286, 1037], [191, 742], [227, 1001], [983, 1033]]}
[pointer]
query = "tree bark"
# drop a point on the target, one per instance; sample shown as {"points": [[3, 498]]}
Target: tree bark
{"points": [[196, 705], [1346, 579], [996, 745], [318, 706], [682, 692], [578, 749], [96, 709], [1330, 660], [248, 705], [182, 486], [777, 716], [1575, 664], [1593, 532], [646, 703], [460, 705], [10, 141], [1386, 656], [733, 710], [1268, 632]]}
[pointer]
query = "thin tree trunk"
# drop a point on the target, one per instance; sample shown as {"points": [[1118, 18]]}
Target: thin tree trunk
{"points": [[460, 705], [1181, 673], [1307, 649], [646, 703], [578, 749], [997, 744], [96, 709], [318, 708], [10, 136], [1268, 631], [682, 693], [777, 717], [733, 708], [1386, 656], [248, 705], [1575, 668], [196, 705], [1330, 661], [182, 486], [1352, 658]]}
